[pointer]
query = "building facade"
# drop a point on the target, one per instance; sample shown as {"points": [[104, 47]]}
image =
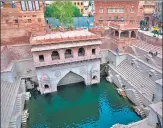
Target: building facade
{"points": [[65, 58], [80, 5], [117, 11], [20, 18]]}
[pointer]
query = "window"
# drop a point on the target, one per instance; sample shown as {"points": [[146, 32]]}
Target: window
{"points": [[30, 5], [55, 55], [150, 75], [131, 21], [93, 51], [122, 18], [41, 58], [46, 86], [101, 10], [109, 18], [13, 5], [81, 52], [39, 19], [68, 53], [1, 4], [29, 20], [132, 9], [78, 3], [6, 21], [115, 17], [16, 21], [121, 10], [110, 10], [33, 15], [116, 10], [37, 7], [23, 6], [75, 3], [94, 77], [81, 3]]}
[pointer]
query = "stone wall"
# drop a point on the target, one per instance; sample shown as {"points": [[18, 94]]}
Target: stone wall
{"points": [[5, 57], [52, 75], [150, 39], [20, 52]]}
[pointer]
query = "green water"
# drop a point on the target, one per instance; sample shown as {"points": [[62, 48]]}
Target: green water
{"points": [[78, 106]]}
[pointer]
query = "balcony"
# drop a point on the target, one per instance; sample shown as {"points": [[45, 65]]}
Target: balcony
{"points": [[68, 60]]}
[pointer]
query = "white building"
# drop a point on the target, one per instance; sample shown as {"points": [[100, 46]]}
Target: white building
{"points": [[65, 58]]}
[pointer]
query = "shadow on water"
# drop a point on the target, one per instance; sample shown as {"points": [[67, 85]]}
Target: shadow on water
{"points": [[71, 92]]}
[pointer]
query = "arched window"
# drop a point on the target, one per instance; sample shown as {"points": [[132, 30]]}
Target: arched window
{"points": [[68, 53], [81, 52], [124, 34], [55, 55], [133, 35]]}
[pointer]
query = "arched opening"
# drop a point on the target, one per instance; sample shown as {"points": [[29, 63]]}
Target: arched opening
{"points": [[94, 77], [116, 34], [68, 53], [55, 55], [133, 35], [46, 86], [71, 78], [81, 52], [124, 34]]}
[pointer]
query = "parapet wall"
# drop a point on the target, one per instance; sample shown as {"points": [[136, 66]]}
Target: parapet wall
{"points": [[150, 39], [14, 52]]}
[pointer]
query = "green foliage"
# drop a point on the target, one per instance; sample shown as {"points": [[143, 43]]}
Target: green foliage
{"points": [[76, 11], [48, 11], [62, 11]]}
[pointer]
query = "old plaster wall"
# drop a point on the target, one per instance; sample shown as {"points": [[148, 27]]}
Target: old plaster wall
{"points": [[84, 69]]}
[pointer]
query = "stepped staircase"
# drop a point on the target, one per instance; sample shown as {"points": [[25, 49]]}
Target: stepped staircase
{"points": [[142, 113], [18, 103], [24, 118], [139, 81]]}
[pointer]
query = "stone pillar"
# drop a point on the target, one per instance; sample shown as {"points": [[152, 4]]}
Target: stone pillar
{"points": [[129, 34], [61, 54], [119, 34]]}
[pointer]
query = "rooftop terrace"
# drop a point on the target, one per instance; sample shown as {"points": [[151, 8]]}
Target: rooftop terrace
{"points": [[59, 37]]}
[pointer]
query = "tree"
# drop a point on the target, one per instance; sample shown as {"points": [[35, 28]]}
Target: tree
{"points": [[63, 11], [48, 11], [76, 11]]}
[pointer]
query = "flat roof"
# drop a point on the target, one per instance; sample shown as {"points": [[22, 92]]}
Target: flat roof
{"points": [[64, 34], [58, 37], [157, 107]]}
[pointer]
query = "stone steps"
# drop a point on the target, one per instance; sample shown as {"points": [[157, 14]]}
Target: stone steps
{"points": [[140, 82]]}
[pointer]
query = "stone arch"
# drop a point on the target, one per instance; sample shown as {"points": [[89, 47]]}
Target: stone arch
{"points": [[125, 34], [81, 51], [55, 55], [116, 33], [133, 34], [70, 78], [68, 53]]}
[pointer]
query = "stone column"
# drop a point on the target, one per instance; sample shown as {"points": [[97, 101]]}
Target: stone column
{"points": [[129, 34], [61, 54], [119, 34]]}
